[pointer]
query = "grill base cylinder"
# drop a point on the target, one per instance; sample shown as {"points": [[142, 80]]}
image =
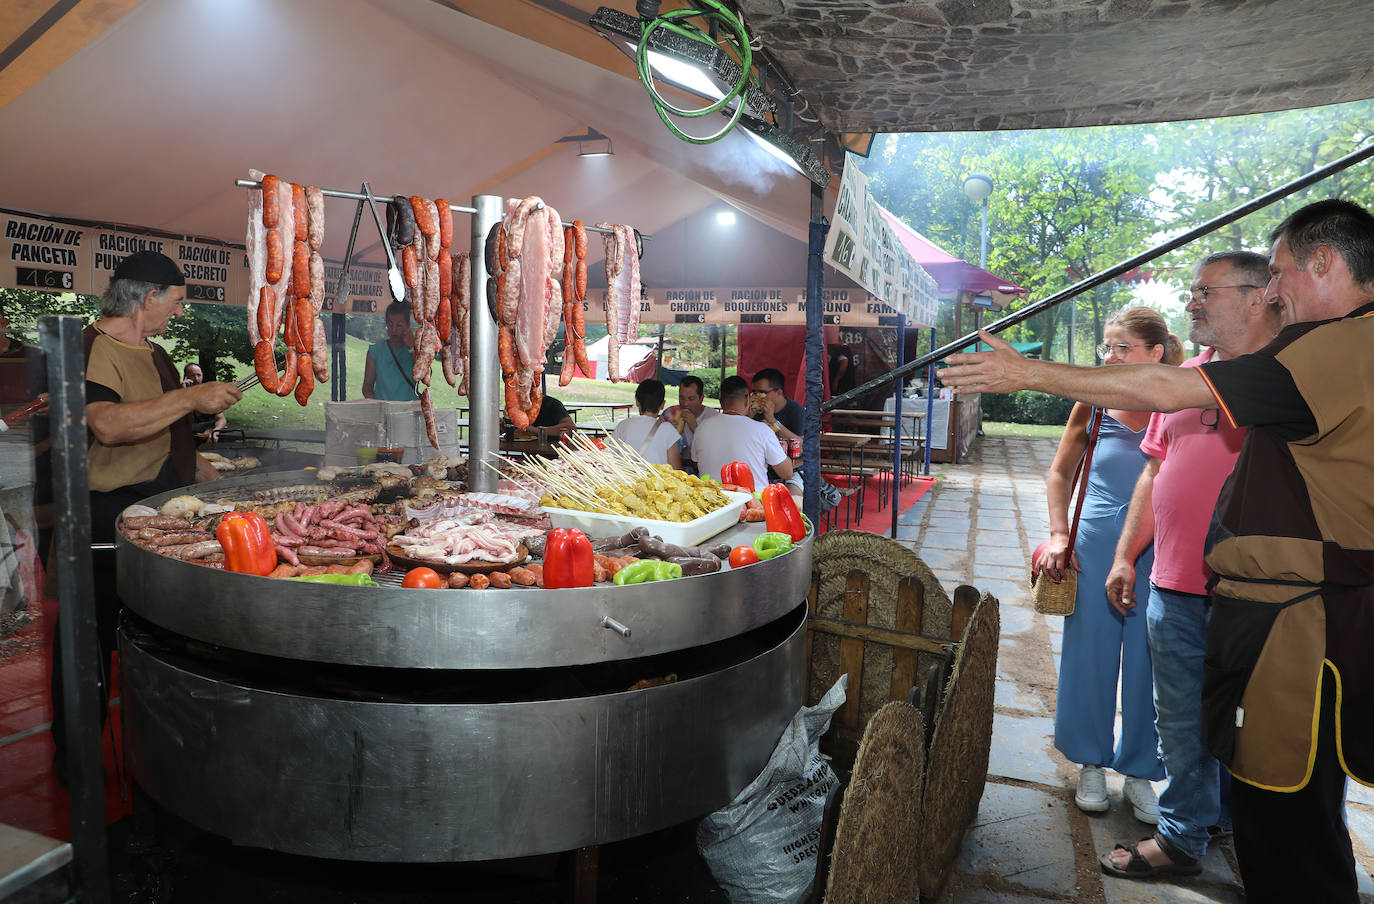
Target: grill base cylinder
{"points": [[349, 775]]}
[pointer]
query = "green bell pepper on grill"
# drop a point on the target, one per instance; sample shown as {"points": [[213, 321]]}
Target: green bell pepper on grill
{"points": [[350, 580], [772, 543], [647, 570]]}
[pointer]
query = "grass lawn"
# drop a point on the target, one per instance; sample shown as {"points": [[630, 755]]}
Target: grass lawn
{"points": [[995, 428], [260, 410]]}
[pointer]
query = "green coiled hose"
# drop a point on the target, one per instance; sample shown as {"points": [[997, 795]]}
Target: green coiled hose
{"points": [[673, 21]]}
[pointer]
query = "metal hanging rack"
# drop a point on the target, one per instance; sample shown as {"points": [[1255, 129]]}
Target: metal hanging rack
{"points": [[386, 199]]}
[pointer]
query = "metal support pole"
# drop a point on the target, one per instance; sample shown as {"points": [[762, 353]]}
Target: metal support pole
{"points": [[815, 359], [982, 263], [898, 436], [61, 341], [930, 405], [484, 379]]}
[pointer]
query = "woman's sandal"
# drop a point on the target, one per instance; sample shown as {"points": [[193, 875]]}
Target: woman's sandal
{"points": [[1180, 864]]}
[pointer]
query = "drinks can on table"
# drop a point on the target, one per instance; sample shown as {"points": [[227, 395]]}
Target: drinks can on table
{"points": [[794, 448]]}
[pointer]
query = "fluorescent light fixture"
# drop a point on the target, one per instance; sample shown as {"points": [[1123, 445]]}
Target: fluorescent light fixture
{"points": [[685, 75], [725, 218], [701, 69], [774, 151], [795, 152], [596, 152], [592, 136], [672, 55]]}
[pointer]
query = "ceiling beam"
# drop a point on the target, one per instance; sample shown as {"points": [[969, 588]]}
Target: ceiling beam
{"points": [[41, 35]]}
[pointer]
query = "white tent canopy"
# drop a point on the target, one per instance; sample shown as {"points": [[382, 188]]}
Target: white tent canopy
{"points": [[151, 122]]}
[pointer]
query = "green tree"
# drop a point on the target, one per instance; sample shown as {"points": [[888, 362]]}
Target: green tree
{"points": [[212, 336], [23, 307], [1215, 165], [1066, 204]]}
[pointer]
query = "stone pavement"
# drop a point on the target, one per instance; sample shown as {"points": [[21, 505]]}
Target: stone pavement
{"points": [[1029, 843]]}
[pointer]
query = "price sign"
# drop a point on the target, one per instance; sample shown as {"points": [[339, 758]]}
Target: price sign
{"points": [[53, 280], [203, 292]]}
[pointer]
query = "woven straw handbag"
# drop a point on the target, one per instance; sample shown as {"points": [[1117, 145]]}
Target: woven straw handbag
{"points": [[1048, 597]]}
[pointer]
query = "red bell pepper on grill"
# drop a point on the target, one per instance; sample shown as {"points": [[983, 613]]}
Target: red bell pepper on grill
{"points": [[780, 512], [738, 473], [247, 542], [567, 559]]}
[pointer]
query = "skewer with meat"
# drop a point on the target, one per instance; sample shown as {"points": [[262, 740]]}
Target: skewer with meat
{"points": [[255, 245], [574, 293], [569, 296], [553, 289], [622, 293], [462, 310], [269, 276]]}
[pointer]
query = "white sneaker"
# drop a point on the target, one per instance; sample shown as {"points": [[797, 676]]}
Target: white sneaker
{"points": [[1091, 796], [1142, 797]]}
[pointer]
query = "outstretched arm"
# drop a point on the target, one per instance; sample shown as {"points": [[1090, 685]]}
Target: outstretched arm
{"points": [[1130, 387]]}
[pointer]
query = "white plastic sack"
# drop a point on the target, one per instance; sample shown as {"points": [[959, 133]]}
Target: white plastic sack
{"points": [[762, 846]]}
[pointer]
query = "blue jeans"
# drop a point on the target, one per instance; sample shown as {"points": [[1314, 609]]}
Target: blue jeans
{"points": [[1177, 625]]}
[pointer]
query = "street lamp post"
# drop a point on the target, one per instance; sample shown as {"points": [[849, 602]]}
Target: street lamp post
{"points": [[978, 187]]}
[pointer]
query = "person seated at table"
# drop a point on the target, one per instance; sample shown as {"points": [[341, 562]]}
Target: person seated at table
{"points": [[646, 432], [688, 413], [205, 427], [553, 414], [387, 374], [768, 403], [738, 437]]}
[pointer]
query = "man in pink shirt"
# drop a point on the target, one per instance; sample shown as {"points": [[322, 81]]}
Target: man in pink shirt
{"points": [[1191, 454]]}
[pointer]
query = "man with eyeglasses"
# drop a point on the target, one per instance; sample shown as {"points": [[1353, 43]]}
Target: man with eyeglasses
{"points": [[1191, 453], [768, 402], [1288, 678]]}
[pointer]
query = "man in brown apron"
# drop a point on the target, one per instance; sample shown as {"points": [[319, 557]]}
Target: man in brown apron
{"points": [[1288, 681]]}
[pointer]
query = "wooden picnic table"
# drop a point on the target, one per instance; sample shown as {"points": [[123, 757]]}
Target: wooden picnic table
{"points": [[612, 407]]}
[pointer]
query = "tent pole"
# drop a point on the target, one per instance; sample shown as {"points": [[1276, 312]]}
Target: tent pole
{"points": [[484, 375], [897, 435], [815, 361], [930, 404]]}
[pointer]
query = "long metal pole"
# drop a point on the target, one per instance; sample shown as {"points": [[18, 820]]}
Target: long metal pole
{"points": [[930, 406], [983, 264], [484, 376], [77, 632], [1110, 273], [386, 199], [815, 361], [897, 434]]}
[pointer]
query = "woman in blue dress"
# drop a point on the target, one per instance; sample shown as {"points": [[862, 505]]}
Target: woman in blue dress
{"points": [[1100, 644]]}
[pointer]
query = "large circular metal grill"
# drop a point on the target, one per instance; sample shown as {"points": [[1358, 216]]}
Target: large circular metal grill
{"points": [[391, 724]]}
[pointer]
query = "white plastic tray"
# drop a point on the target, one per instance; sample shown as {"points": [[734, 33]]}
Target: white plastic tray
{"points": [[683, 533]]}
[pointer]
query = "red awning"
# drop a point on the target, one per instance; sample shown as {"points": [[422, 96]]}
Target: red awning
{"points": [[953, 274]]}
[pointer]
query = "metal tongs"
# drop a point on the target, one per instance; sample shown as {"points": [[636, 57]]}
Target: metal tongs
{"points": [[393, 272]]}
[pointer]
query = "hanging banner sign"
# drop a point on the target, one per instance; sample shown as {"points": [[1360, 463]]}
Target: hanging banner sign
{"points": [[111, 246], [862, 244], [44, 254], [64, 256], [214, 270], [368, 290], [782, 305]]}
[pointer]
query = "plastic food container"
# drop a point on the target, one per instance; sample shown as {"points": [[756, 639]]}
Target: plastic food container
{"points": [[683, 533]]}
